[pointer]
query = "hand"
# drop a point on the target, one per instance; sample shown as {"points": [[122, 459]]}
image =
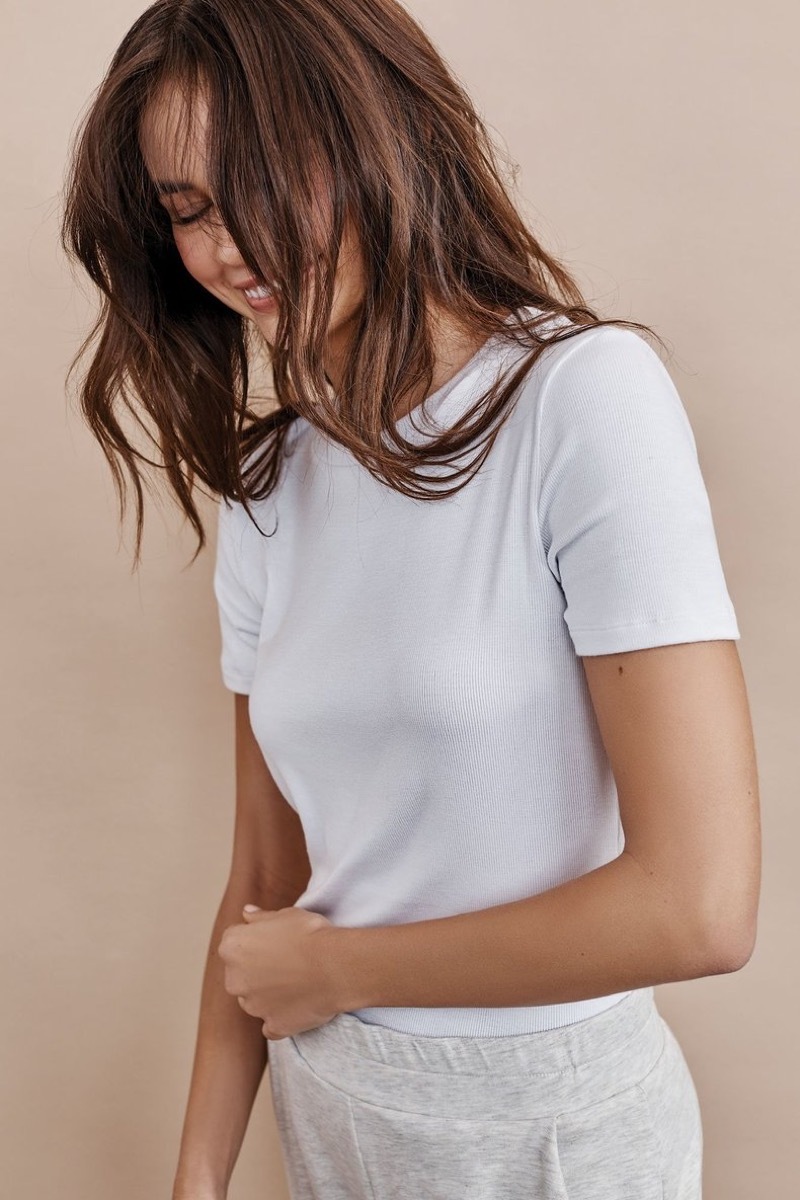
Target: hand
{"points": [[277, 964]]}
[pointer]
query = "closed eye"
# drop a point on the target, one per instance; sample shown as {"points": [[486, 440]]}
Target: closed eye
{"points": [[194, 217]]}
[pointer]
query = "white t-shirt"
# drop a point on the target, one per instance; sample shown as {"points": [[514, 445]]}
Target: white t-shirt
{"points": [[413, 667]]}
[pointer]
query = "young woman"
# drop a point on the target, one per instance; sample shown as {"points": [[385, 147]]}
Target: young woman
{"points": [[495, 769]]}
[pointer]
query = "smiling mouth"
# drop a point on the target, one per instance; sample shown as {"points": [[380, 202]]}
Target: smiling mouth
{"points": [[260, 292], [259, 295]]}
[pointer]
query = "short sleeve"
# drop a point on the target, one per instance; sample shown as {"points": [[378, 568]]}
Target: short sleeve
{"points": [[624, 515], [239, 587]]}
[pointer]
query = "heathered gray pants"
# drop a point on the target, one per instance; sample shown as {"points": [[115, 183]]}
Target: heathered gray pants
{"points": [[603, 1109]]}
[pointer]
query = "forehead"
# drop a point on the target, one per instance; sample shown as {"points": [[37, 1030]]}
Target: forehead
{"points": [[172, 139]]}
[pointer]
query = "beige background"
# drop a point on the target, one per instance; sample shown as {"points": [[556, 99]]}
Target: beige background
{"points": [[657, 152]]}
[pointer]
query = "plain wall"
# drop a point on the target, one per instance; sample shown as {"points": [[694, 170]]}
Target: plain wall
{"points": [[657, 152]]}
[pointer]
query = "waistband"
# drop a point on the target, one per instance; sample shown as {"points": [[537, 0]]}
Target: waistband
{"points": [[530, 1075]]}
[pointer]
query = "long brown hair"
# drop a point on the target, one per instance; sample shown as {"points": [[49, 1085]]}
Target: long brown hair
{"points": [[353, 95]]}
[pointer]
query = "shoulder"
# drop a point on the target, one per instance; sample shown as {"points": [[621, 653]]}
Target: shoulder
{"points": [[590, 355], [603, 354], [604, 384]]}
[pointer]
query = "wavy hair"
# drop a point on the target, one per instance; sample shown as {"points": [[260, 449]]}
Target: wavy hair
{"points": [[350, 96]]}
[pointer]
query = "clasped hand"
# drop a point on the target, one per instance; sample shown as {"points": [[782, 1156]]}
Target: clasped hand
{"points": [[278, 966]]}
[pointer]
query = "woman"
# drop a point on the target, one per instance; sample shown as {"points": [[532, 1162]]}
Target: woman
{"points": [[495, 771]]}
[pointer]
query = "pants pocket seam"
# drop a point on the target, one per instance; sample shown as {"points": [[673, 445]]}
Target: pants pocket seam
{"points": [[562, 1183], [357, 1144], [655, 1134]]}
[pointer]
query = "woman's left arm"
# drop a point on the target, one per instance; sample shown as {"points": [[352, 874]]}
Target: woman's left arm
{"points": [[680, 901]]}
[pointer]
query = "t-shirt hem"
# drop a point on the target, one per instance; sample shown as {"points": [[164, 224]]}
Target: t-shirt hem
{"points": [[488, 1022]]}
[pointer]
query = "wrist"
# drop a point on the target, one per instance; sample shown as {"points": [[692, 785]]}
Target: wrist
{"points": [[346, 962], [198, 1181], [184, 1190]]}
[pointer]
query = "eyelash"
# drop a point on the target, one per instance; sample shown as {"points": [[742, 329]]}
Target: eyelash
{"points": [[189, 220]]}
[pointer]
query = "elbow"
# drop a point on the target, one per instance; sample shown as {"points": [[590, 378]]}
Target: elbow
{"points": [[729, 922], [729, 948], [741, 951], [737, 935]]}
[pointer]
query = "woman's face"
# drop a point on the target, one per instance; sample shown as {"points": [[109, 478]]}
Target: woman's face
{"points": [[205, 247]]}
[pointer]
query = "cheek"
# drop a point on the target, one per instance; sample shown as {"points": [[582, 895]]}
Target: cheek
{"points": [[196, 257]]}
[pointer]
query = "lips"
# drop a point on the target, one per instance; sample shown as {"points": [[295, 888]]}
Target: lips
{"points": [[252, 282], [262, 304]]}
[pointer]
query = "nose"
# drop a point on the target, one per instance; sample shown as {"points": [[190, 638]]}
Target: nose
{"points": [[227, 251]]}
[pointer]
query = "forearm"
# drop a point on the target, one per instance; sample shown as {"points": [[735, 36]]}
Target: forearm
{"points": [[608, 931], [230, 1056]]}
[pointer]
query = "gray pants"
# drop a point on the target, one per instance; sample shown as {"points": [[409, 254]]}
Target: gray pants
{"points": [[603, 1109]]}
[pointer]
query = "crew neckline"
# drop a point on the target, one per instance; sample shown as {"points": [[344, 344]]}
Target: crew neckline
{"points": [[436, 398], [435, 404]]}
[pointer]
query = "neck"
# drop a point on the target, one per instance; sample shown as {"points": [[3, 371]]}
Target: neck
{"points": [[454, 348]]}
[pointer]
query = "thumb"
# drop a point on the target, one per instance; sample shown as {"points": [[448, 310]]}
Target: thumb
{"points": [[250, 910]]}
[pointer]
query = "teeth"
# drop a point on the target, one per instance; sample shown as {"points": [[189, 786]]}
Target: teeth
{"points": [[258, 293]]}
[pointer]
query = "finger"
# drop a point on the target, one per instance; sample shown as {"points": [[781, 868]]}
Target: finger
{"points": [[233, 982], [272, 1034], [228, 940]]}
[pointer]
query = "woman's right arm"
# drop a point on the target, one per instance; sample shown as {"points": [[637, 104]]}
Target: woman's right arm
{"points": [[269, 868]]}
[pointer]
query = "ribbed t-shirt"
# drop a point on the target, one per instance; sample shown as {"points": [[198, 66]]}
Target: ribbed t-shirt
{"points": [[413, 666]]}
